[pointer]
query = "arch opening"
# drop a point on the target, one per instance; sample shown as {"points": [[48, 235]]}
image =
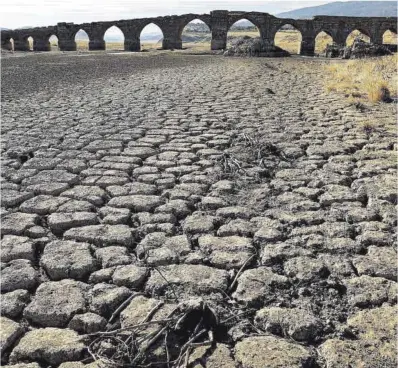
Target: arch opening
{"points": [[322, 40], [151, 37], [241, 30], [196, 35], [114, 38], [29, 43], [357, 34], [54, 46], [8, 44], [288, 38], [390, 37], [82, 40]]}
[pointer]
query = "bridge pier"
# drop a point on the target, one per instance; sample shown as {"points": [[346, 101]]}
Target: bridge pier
{"points": [[132, 44], [6, 45], [41, 45], [219, 20], [96, 44], [66, 45], [21, 45], [307, 46], [171, 43]]}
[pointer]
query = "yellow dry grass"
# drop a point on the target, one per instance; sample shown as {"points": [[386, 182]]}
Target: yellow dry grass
{"points": [[371, 79], [390, 38], [288, 40]]}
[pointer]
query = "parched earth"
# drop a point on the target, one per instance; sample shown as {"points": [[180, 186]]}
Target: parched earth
{"points": [[234, 194]]}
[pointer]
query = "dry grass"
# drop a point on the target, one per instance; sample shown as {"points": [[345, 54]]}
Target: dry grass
{"points": [[288, 40], [371, 79], [390, 38]]}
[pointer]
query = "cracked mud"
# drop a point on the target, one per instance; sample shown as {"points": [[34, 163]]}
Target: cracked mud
{"points": [[134, 183]]}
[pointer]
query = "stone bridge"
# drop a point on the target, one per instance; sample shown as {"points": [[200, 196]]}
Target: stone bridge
{"points": [[218, 21]]}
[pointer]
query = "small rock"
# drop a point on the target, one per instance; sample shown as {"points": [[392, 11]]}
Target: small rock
{"points": [[131, 276], [257, 284], [50, 345], [13, 198], [137, 203], [18, 274], [105, 298], [17, 223], [17, 247], [42, 204], [296, 323], [68, 259], [101, 235], [188, 279], [306, 268], [87, 323], [199, 224], [271, 352], [380, 262], [365, 290], [92, 194], [61, 221], [55, 303], [10, 332], [113, 256], [14, 302]]}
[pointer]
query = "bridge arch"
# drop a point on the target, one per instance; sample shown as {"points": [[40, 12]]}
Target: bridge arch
{"points": [[288, 37], [7, 42], [322, 39], [242, 27], [81, 38], [253, 18], [151, 36], [389, 36], [114, 38], [203, 31], [53, 42], [358, 32], [29, 41]]}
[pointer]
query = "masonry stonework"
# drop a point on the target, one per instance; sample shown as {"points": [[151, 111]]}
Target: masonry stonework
{"points": [[219, 22]]}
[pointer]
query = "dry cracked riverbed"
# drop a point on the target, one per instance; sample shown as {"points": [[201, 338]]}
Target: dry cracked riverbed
{"points": [[196, 210]]}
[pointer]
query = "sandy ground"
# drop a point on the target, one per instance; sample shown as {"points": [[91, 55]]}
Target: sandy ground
{"points": [[235, 185]]}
